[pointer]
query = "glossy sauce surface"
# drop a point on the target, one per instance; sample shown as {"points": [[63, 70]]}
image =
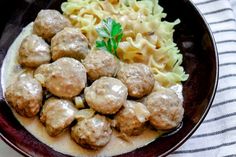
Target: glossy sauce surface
{"points": [[63, 143]]}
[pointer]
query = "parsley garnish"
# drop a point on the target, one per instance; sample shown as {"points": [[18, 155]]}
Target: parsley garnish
{"points": [[111, 33]]}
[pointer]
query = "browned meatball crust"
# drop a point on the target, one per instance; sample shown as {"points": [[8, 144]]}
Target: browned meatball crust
{"points": [[106, 95], [92, 133], [132, 117], [100, 63], [64, 78], [41, 73], [166, 109], [138, 79], [56, 115], [49, 22], [34, 51], [69, 42], [25, 95]]}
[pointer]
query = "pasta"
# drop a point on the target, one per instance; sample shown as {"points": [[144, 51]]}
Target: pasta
{"points": [[147, 39]]}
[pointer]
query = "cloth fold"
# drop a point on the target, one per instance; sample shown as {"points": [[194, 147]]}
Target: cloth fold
{"points": [[216, 136]]}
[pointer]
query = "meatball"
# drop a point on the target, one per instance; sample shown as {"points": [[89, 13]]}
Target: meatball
{"points": [[166, 109], [48, 23], [57, 114], [41, 73], [106, 95], [64, 78], [34, 51], [25, 95], [69, 42], [67, 78], [92, 133], [138, 79], [131, 119], [100, 63]]}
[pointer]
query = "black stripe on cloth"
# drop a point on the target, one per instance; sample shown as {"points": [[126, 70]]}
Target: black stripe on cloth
{"points": [[231, 155], [222, 21], [223, 103], [224, 30], [225, 89], [226, 52], [205, 149], [225, 41], [214, 133], [226, 64], [226, 76], [209, 1], [218, 11], [220, 117]]}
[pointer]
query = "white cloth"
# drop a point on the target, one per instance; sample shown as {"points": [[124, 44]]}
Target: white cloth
{"points": [[216, 136]]}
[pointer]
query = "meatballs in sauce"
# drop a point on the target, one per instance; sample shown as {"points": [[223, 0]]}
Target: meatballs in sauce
{"points": [[100, 63], [64, 78], [92, 133], [48, 23], [69, 42], [57, 114], [118, 97], [25, 95], [132, 117], [34, 51], [166, 109], [138, 78], [106, 95]]}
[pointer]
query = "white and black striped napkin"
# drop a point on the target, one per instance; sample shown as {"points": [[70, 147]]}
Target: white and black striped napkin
{"points": [[216, 136]]}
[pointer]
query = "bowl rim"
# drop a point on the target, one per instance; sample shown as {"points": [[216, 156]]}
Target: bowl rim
{"points": [[212, 39], [12, 145]]}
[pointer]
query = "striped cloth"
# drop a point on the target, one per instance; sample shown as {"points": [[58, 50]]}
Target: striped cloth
{"points": [[216, 137]]}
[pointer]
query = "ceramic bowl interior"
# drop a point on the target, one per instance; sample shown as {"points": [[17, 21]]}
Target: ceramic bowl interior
{"points": [[193, 38]]}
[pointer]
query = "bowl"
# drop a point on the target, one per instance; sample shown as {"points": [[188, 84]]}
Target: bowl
{"points": [[194, 39]]}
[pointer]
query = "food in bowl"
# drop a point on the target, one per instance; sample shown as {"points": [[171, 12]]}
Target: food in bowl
{"points": [[109, 81]]}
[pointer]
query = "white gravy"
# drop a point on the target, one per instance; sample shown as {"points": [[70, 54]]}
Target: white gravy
{"points": [[63, 143]]}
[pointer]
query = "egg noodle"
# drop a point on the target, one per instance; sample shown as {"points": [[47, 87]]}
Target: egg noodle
{"points": [[147, 38]]}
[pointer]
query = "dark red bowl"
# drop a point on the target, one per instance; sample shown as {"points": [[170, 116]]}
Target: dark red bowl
{"points": [[193, 38]]}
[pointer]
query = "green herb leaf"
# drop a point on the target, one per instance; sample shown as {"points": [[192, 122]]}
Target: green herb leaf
{"points": [[102, 32], [111, 34], [114, 44], [109, 46], [108, 24], [116, 29], [101, 44], [119, 37]]}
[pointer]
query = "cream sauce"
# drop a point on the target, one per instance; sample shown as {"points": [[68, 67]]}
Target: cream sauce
{"points": [[63, 143]]}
